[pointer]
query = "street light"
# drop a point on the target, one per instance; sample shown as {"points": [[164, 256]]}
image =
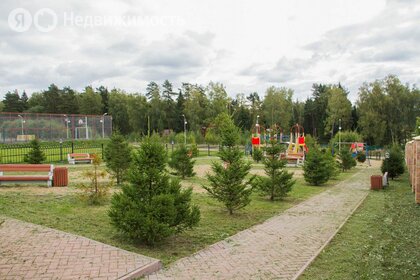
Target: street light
{"points": [[103, 124], [67, 125], [257, 118], [185, 130], [22, 122], [339, 135]]}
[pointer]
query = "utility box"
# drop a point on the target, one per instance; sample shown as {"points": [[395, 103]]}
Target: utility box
{"points": [[376, 182], [60, 177]]}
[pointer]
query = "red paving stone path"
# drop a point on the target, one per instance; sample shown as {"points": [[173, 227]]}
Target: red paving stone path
{"points": [[29, 251], [281, 247]]}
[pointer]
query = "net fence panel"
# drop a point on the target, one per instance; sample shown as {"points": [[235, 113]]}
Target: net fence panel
{"points": [[21, 127]]}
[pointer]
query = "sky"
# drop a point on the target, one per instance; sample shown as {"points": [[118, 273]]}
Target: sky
{"points": [[246, 45]]}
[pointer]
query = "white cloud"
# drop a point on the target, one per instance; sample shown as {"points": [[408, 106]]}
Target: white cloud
{"points": [[244, 44]]}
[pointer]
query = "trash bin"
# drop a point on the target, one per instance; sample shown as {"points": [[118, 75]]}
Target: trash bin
{"points": [[60, 177], [375, 182]]}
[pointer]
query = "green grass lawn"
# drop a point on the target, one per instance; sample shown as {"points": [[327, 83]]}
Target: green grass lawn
{"points": [[64, 211], [380, 241]]}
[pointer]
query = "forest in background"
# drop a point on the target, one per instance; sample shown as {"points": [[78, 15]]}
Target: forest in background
{"points": [[385, 111]]}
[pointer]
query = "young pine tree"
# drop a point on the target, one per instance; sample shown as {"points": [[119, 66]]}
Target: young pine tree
{"points": [[316, 169], [394, 165], [181, 161], [228, 184], [151, 206], [257, 154], [96, 191], [347, 161], [278, 181], [35, 155], [117, 156]]}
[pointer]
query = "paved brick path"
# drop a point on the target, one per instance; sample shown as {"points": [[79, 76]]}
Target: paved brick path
{"points": [[29, 251], [281, 247]]}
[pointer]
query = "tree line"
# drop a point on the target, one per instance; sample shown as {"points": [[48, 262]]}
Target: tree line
{"points": [[385, 111]]}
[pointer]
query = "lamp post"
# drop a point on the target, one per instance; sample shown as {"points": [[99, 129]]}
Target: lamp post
{"points": [[67, 125], [103, 124], [185, 130], [22, 122], [258, 118], [339, 135]]}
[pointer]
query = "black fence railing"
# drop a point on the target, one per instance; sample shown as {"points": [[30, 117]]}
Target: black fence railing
{"points": [[54, 152], [205, 149]]}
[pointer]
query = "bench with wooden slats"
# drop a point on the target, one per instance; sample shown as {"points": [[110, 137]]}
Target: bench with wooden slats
{"points": [[26, 168], [79, 158]]}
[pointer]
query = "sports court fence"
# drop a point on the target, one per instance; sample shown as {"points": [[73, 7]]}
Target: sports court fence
{"points": [[22, 127]]}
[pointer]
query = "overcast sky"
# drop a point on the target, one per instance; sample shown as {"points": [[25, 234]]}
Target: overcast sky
{"points": [[246, 45]]}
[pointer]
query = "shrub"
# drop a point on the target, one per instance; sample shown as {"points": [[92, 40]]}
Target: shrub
{"points": [[316, 169], [181, 161], [228, 184], [361, 157], [333, 165], [394, 165], [151, 206], [95, 192], [347, 136], [257, 155], [117, 154], [35, 155], [194, 150], [278, 181], [347, 161]]}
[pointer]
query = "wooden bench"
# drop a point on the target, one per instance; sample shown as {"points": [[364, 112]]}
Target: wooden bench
{"points": [[79, 158], [19, 178]]}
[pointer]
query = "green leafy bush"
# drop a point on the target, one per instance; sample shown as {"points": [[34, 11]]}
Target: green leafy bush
{"points": [[361, 157], [151, 206]]}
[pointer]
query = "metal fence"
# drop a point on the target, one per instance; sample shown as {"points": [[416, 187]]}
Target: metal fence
{"points": [[54, 152], [21, 127], [205, 149]]}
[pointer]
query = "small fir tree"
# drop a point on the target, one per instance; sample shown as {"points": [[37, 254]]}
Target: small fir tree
{"points": [[228, 184], [278, 181], [316, 170], [257, 155], [96, 191], [333, 165], [347, 161], [151, 206], [117, 154], [181, 161], [35, 155], [394, 165]]}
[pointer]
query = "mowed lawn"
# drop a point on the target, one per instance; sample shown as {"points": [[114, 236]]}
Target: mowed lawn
{"points": [[380, 241], [61, 208]]}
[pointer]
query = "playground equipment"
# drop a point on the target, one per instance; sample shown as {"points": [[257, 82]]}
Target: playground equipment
{"points": [[262, 135], [295, 153], [296, 147]]}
